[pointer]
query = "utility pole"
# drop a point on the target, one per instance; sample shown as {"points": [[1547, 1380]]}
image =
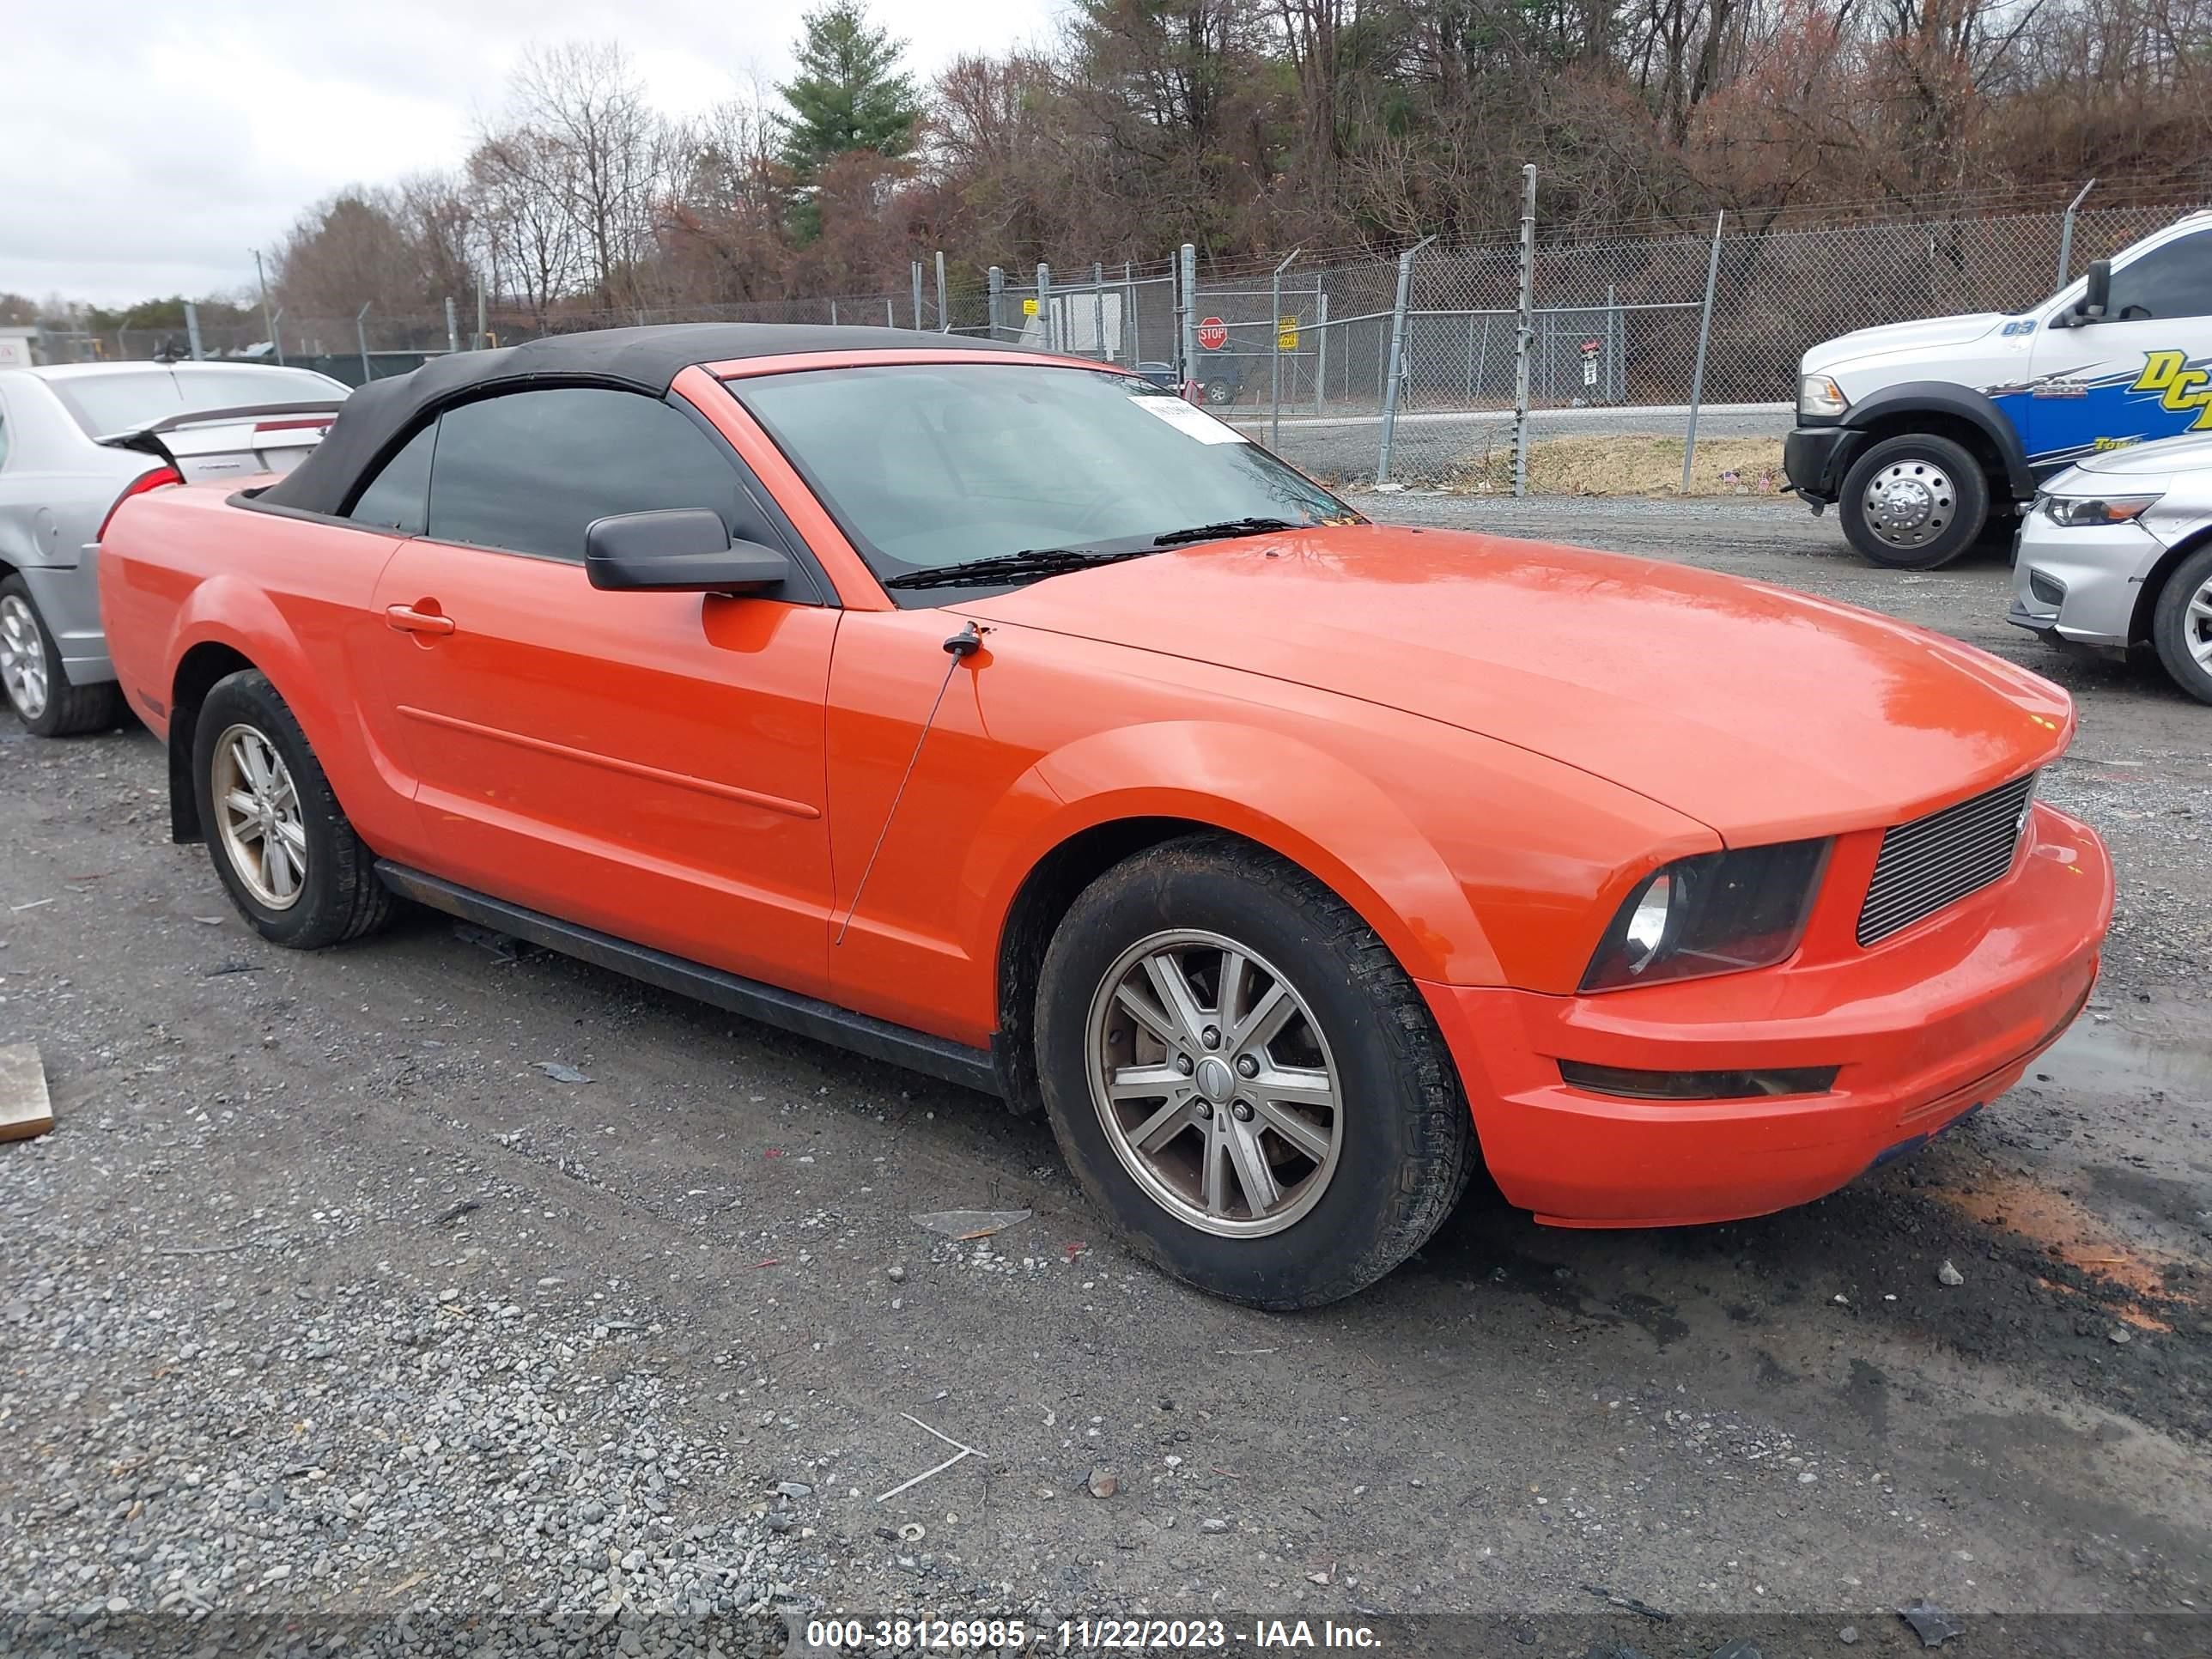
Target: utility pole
{"points": [[268, 317]]}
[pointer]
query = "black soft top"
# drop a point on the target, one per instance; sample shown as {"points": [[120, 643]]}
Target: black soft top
{"points": [[381, 414]]}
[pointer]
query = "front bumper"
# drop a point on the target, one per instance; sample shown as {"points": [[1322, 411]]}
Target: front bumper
{"points": [[2079, 586], [1815, 457], [1925, 1026]]}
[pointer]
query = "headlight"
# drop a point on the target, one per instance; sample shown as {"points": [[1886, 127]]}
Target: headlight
{"points": [[1718, 912], [2079, 512], [1819, 395]]}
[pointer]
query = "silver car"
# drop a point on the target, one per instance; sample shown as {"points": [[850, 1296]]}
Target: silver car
{"points": [[2117, 552], [75, 441]]}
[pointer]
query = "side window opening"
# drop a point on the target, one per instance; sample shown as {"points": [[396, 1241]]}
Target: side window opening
{"points": [[399, 497], [2168, 281], [528, 472]]}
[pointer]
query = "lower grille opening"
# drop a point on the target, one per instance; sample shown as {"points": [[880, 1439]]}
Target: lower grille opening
{"points": [[1697, 1085]]}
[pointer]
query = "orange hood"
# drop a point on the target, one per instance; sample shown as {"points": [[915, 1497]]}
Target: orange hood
{"points": [[1765, 715]]}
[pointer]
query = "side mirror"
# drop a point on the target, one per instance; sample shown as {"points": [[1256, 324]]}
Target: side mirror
{"points": [[2096, 292], [678, 551]]}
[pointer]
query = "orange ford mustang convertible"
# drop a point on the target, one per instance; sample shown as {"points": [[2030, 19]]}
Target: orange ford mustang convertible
{"points": [[1004, 716]]}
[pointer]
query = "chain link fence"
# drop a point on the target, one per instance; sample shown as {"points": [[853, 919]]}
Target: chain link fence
{"points": [[1362, 369]]}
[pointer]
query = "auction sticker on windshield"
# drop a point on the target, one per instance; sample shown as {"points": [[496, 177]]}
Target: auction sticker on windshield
{"points": [[1184, 417]]}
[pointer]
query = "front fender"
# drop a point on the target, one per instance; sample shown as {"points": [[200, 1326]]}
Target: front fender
{"points": [[1947, 397], [1288, 796]]}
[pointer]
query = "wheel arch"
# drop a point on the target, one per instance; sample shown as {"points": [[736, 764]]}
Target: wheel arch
{"points": [[198, 673], [2154, 583], [1257, 787], [1942, 409]]}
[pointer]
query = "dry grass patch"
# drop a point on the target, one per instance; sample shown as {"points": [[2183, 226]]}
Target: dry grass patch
{"points": [[1628, 463]]}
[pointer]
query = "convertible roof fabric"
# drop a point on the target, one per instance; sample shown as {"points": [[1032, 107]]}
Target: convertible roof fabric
{"points": [[377, 417]]}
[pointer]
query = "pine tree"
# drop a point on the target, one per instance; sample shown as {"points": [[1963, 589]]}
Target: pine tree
{"points": [[849, 93]]}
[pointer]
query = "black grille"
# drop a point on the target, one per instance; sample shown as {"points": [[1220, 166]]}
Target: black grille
{"points": [[1939, 860]]}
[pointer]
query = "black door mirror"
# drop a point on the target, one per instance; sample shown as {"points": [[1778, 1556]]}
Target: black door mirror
{"points": [[679, 551], [2096, 292]]}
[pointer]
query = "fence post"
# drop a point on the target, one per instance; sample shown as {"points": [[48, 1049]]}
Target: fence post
{"points": [[1320, 351], [452, 327], [997, 297], [2066, 235], [1615, 370], [1129, 315], [1397, 368], [1188, 313], [1524, 334], [1098, 310], [1044, 305], [1705, 337], [483, 326], [891, 315], [943, 317], [915, 266], [361, 337], [1275, 362], [193, 329]]}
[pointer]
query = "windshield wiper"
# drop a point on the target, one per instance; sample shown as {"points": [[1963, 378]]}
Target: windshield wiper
{"points": [[1222, 531], [1033, 562]]}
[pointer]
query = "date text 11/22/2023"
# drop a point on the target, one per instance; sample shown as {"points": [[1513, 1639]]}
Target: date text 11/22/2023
{"points": [[1084, 1635]]}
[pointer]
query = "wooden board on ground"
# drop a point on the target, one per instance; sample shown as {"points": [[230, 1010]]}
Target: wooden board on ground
{"points": [[25, 1110]]}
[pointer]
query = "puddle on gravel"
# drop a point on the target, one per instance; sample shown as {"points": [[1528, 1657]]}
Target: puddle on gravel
{"points": [[2104, 1061], [2108, 1060]]}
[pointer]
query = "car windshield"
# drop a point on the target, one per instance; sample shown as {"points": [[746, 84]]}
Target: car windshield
{"points": [[106, 403], [927, 467]]}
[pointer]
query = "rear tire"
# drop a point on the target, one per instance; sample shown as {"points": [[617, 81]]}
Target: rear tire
{"points": [[2181, 625], [281, 843], [1914, 503], [1313, 1201], [30, 672]]}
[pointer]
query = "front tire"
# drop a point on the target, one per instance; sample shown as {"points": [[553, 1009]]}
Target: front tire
{"points": [[30, 672], [1914, 503], [282, 845], [2181, 625], [1243, 1080]]}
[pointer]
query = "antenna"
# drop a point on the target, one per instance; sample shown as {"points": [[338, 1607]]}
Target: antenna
{"points": [[961, 646]]}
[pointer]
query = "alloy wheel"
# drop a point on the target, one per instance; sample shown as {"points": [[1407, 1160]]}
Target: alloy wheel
{"points": [[258, 807], [1214, 1084], [2196, 627], [23, 657], [1909, 503]]}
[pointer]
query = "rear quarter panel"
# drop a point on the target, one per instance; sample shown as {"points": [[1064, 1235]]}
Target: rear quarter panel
{"points": [[182, 568]]}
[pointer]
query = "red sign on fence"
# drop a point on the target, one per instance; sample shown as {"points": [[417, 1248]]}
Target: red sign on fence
{"points": [[1213, 333]]}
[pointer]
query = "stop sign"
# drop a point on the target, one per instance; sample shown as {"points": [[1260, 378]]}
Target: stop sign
{"points": [[1213, 333]]}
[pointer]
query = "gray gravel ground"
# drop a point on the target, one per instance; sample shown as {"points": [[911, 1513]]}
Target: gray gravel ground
{"points": [[327, 1301]]}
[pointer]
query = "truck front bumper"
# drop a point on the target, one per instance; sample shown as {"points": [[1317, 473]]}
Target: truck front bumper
{"points": [[1815, 457]]}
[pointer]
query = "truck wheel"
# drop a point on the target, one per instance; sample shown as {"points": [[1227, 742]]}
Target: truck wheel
{"points": [[2181, 625], [31, 669], [1243, 1080], [1914, 503], [283, 849], [1220, 391]]}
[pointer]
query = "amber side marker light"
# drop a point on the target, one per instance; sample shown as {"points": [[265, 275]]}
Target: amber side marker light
{"points": [[1697, 1085]]}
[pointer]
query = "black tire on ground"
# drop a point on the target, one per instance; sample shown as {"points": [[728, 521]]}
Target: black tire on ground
{"points": [[1407, 1145], [69, 710], [2172, 628], [340, 896], [1953, 500], [1220, 391]]}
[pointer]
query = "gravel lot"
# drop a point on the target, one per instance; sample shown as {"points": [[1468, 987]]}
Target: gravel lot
{"points": [[337, 1295]]}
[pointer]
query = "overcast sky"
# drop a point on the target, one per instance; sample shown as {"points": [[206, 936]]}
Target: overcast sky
{"points": [[150, 156]]}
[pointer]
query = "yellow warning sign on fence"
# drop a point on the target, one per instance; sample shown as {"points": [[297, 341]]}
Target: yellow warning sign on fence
{"points": [[1029, 307], [1286, 333]]}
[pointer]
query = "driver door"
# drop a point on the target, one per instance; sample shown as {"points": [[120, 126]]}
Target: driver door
{"points": [[2143, 372]]}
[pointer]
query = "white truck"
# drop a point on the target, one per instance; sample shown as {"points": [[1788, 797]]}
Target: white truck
{"points": [[1930, 437]]}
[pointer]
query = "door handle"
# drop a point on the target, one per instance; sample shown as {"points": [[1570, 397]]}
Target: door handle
{"points": [[408, 620]]}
